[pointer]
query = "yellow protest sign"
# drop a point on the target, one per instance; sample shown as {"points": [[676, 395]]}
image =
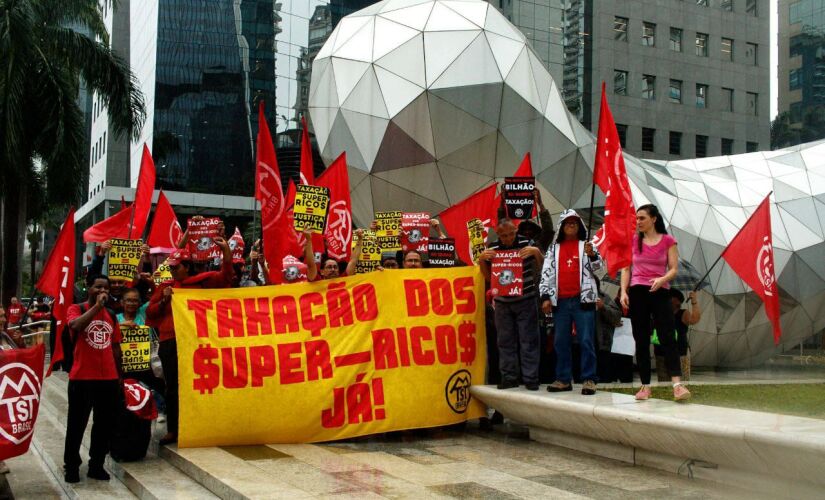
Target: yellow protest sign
{"points": [[162, 274], [135, 348], [329, 360], [477, 234], [311, 205], [370, 257], [124, 258], [388, 230]]}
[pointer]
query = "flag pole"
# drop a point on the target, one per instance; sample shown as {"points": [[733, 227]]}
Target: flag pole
{"points": [[590, 217], [698, 283]]}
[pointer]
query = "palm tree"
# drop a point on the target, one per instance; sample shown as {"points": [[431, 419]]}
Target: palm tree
{"points": [[42, 145]]}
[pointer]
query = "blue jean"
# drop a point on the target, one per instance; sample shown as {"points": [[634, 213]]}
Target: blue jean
{"points": [[567, 313]]}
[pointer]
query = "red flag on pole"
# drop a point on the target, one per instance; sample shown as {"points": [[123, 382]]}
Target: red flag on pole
{"points": [[338, 234], [20, 391], [750, 254], [278, 236], [57, 280], [166, 231], [143, 194], [481, 205], [116, 226], [609, 173], [307, 172]]}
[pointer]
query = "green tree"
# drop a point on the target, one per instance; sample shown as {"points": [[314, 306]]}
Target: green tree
{"points": [[42, 145], [786, 133]]}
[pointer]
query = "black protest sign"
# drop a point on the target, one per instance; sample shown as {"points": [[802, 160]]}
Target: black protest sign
{"points": [[518, 196], [441, 252]]}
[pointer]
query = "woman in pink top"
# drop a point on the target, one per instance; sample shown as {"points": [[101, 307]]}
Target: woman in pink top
{"points": [[645, 292]]}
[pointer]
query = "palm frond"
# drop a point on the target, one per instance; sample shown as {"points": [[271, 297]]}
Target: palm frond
{"points": [[107, 74], [81, 13]]}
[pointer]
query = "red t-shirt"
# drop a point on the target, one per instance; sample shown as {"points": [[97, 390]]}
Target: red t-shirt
{"points": [[93, 357], [568, 272], [15, 312]]}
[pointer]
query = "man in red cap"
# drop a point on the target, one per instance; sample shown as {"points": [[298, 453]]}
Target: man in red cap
{"points": [[159, 315]]}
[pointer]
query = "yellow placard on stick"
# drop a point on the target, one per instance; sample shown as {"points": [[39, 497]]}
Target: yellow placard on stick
{"points": [[370, 257], [124, 257], [135, 348], [311, 205], [388, 230], [478, 235], [334, 359]]}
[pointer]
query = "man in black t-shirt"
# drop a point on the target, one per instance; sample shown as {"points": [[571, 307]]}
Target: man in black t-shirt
{"points": [[516, 317]]}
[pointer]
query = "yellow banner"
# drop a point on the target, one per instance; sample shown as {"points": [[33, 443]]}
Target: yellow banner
{"points": [[329, 360]]}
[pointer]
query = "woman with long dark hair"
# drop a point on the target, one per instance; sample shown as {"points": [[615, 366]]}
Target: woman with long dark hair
{"points": [[645, 291]]}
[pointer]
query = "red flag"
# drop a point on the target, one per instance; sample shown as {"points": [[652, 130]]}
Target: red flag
{"points": [[609, 173], [116, 226], [338, 235], [57, 280], [291, 191], [143, 194], [750, 254], [138, 399], [166, 231], [278, 235], [307, 172], [21, 371], [481, 205]]}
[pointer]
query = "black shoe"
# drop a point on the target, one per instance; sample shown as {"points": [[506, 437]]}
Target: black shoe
{"points": [[507, 384], [98, 473], [532, 387], [497, 418], [559, 387], [71, 475]]}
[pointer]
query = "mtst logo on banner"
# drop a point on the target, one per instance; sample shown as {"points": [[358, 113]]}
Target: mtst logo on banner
{"points": [[21, 380]]}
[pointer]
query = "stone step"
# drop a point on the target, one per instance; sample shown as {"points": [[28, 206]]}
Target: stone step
{"points": [[150, 479]]}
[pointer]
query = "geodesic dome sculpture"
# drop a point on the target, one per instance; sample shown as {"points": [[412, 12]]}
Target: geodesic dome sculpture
{"points": [[434, 99]]}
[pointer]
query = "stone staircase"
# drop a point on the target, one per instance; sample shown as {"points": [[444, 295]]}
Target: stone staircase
{"points": [[153, 478]]}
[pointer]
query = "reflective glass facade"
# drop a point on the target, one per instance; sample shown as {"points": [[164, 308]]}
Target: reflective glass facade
{"points": [[215, 60]]}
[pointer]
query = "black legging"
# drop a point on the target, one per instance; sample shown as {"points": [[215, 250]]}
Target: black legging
{"points": [[168, 352], [643, 305]]}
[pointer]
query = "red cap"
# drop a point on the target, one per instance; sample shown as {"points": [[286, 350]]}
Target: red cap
{"points": [[178, 256]]}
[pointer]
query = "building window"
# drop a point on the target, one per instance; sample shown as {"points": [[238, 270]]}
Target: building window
{"points": [[727, 5], [750, 7], [727, 99], [622, 130], [648, 87], [648, 139], [675, 94], [701, 95], [701, 146], [753, 103], [676, 39], [702, 3], [795, 79], [752, 54], [751, 147], [620, 28], [675, 143], [727, 49], [701, 44], [104, 143], [727, 146], [619, 82], [648, 34]]}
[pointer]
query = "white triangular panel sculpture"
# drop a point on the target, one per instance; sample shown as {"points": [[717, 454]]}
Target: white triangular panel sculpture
{"points": [[433, 99]]}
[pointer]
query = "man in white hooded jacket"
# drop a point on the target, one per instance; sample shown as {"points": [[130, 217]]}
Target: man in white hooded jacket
{"points": [[568, 288]]}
